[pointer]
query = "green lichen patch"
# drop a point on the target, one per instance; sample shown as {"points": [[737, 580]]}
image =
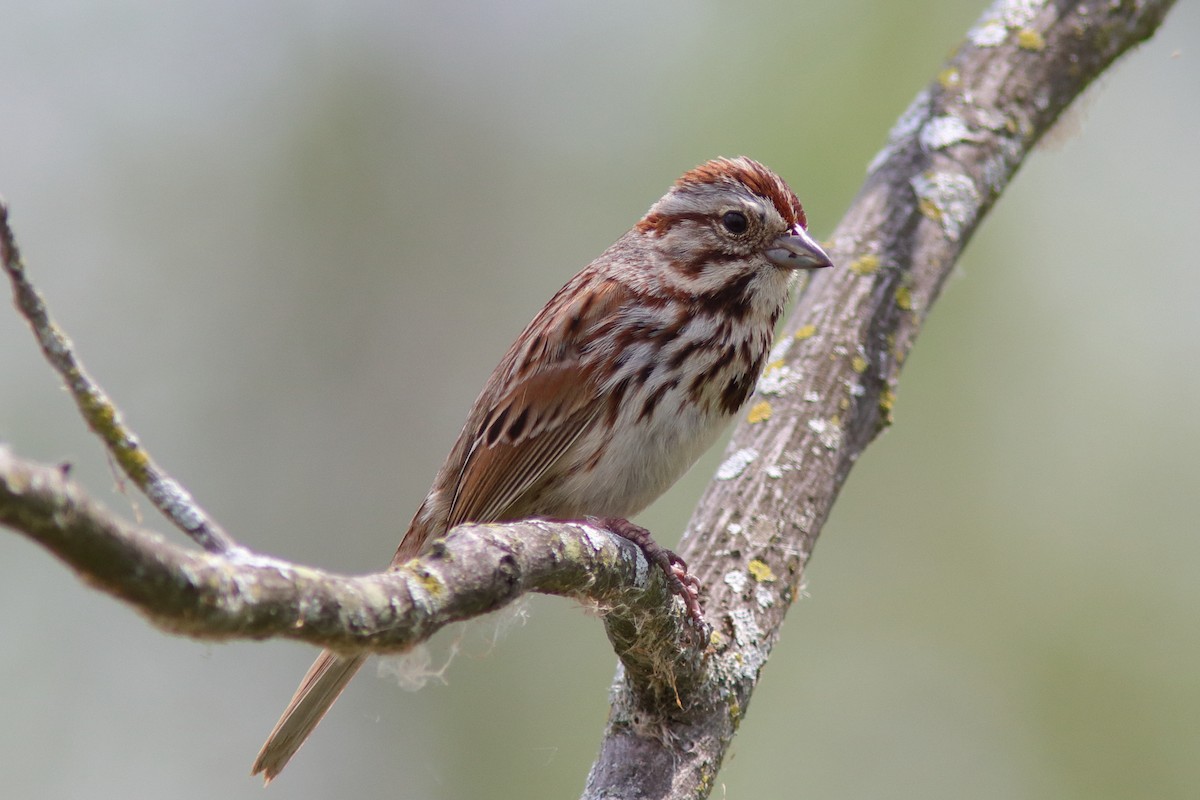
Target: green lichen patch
{"points": [[1029, 39], [760, 571], [863, 265]]}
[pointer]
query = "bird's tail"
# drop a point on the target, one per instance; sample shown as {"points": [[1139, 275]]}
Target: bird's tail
{"points": [[326, 679], [330, 673]]}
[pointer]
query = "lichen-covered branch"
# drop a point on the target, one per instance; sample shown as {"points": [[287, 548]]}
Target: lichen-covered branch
{"points": [[831, 382], [476, 569], [101, 415]]}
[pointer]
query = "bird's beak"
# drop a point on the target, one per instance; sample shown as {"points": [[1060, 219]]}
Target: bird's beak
{"points": [[797, 250]]}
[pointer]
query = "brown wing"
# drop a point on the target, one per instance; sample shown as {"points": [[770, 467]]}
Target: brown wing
{"points": [[521, 441], [538, 402]]}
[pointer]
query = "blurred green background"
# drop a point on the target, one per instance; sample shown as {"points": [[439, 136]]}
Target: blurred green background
{"points": [[292, 239]]}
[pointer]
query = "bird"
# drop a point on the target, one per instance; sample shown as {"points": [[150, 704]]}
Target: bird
{"points": [[614, 389]]}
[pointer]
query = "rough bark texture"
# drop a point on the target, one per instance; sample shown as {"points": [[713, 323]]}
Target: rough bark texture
{"points": [[242, 595], [829, 388], [825, 395]]}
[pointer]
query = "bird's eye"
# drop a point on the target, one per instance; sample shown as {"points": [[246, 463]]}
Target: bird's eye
{"points": [[735, 222]]}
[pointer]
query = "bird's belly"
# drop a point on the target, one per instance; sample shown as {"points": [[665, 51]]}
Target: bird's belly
{"points": [[620, 469]]}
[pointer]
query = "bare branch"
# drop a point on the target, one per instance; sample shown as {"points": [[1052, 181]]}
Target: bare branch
{"points": [[166, 493], [831, 382]]}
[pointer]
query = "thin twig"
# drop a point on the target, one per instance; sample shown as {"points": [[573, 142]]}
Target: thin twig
{"points": [[101, 415]]}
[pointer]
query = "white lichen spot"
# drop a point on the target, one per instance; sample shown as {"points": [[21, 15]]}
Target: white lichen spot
{"points": [[745, 627], [773, 472], [829, 435], [778, 380], [942, 132], [1017, 13], [951, 199], [763, 596], [734, 529], [641, 569], [988, 33], [736, 464], [1002, 16], [812, 397], [736, 579], [780, 350], [595, 539]]}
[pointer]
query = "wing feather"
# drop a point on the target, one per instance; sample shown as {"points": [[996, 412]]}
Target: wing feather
{"points": [[519, 435], [497, 475]]}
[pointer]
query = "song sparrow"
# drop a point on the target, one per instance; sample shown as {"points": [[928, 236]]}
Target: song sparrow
{"points": [[616, 387]]}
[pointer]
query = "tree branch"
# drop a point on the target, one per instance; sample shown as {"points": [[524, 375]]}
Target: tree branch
{"points": [[475, 570], [831, 383]]}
